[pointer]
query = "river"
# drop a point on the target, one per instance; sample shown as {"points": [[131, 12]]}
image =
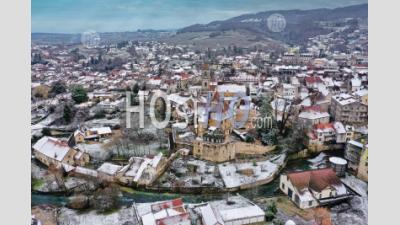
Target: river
{"points": [[267, 190]]}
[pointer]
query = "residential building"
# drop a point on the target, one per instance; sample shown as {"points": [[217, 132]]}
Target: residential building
{"points": [[170, 212], [52, 151], [107, 171], [84, 134], [236, 210], [313, 82], [354, 151], [341, 133], [348, 110], [362, 95], [308, 189], [362, 172], [139, 170], [311, 116], [288, 91]]}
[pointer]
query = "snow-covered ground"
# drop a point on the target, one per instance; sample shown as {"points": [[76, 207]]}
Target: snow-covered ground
{"points": [[103, 122], [124, 216], [356, 184], [95, 150], [356, 212], [36, 129], [319, 161]]}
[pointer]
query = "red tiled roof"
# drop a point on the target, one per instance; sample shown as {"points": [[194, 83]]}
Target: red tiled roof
{"points": [[59, 142], [312, 135], [323, 126], [317, 180], [315, 108], [185, 76], [313, 80], [167, 204]]}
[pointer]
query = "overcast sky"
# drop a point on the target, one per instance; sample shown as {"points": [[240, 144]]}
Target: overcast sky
{"points": [[75, 16]]}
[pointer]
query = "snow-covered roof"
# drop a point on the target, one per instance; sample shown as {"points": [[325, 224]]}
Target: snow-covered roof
{"points": [[148, 219], [209, 217], [356, 82], [141, 169], [180, 100], [344, 99], [132, 169], [109, 168], [356, 143], [290, 222], [338, 160], [156, 160], [241, 213], [166, 212], [101, 130], [67, 168], [340, 189], [231, 88], [312, 115], [52, 147], [361, 92], [86, 171], [339, 128]]}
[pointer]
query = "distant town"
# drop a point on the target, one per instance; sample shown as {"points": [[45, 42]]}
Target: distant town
{"points": [[251, 134]]}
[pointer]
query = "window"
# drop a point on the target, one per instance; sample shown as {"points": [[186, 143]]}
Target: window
{"points": [[290, 192], [283, 186], [297, 199], [309, 203]]}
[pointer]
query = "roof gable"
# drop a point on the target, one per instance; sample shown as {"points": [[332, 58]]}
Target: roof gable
{"points": [[52, 147], [317, 180]]}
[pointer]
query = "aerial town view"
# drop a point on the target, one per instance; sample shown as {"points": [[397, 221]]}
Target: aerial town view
{"points": [[199, 112]]}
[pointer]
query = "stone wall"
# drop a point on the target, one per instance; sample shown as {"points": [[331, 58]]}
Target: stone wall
{"points": [[252, 149], [227, 151]]}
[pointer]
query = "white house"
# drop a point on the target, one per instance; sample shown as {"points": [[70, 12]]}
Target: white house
{"points": [[52, 151], [308, 189], [311, 117], [237, 210], [341, 134], [170, 212]]}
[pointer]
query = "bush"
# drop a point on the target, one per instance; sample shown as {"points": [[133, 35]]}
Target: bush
{"points": [[106, 199], [249, 139], [46, 131], [58, 88], [78, 202], [99, 114], [79, 94], [67, 114], [271, 212], [269, 216], [277, 222]]}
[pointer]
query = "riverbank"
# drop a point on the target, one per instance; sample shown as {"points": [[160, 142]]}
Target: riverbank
{"points": [[353, 212], [131, 195]]}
